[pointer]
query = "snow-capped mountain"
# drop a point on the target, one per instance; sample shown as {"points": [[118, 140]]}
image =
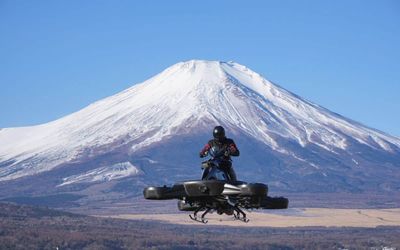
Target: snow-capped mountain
{"points": [[159, 126], [114, 172]]}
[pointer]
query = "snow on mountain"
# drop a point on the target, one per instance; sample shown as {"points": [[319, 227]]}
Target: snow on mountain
{"points": [[114, 172], [184, 97]]}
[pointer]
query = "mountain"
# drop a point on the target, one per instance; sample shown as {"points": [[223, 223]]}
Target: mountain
{"points": [[152, 132]]}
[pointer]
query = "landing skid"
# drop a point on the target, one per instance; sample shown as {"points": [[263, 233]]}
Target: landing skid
{"points": [[238, 215], [201, 219]]}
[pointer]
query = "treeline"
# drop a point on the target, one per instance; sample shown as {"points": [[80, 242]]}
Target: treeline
{"points": [[23, 227]]}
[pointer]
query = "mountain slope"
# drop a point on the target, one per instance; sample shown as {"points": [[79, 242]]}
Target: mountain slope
{"points": [[159, 125]]}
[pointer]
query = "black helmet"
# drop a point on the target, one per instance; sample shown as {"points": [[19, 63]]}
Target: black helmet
{"points": [[219, 132]]}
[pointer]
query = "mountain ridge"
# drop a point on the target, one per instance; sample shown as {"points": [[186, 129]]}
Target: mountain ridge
{"points": [[182, 104]]}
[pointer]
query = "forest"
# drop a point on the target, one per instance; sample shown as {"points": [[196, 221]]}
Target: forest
{"points": [[28, 227]]}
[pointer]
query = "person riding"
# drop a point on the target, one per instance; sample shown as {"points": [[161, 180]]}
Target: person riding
{"points": [[221, 141]]}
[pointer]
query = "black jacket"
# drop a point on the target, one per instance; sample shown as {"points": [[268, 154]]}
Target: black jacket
{"points": [[227, 143]]}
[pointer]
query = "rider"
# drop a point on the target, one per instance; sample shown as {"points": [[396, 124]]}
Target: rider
{"points": [[231, 150]]}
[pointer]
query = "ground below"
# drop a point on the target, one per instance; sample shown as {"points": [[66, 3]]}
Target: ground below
{"points": [[28, 227], [306, 217]]}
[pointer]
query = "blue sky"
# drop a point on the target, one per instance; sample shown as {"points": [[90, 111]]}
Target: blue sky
{"points": [[56, 57]]}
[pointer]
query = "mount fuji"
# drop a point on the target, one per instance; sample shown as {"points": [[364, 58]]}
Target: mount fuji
{"points": [[152, 132]]}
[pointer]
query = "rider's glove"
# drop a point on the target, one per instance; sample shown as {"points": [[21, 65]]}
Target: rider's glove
{"points": [[227, 152]]}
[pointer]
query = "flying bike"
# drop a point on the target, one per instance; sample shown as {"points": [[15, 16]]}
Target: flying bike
{"points": [[216, 192]]}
